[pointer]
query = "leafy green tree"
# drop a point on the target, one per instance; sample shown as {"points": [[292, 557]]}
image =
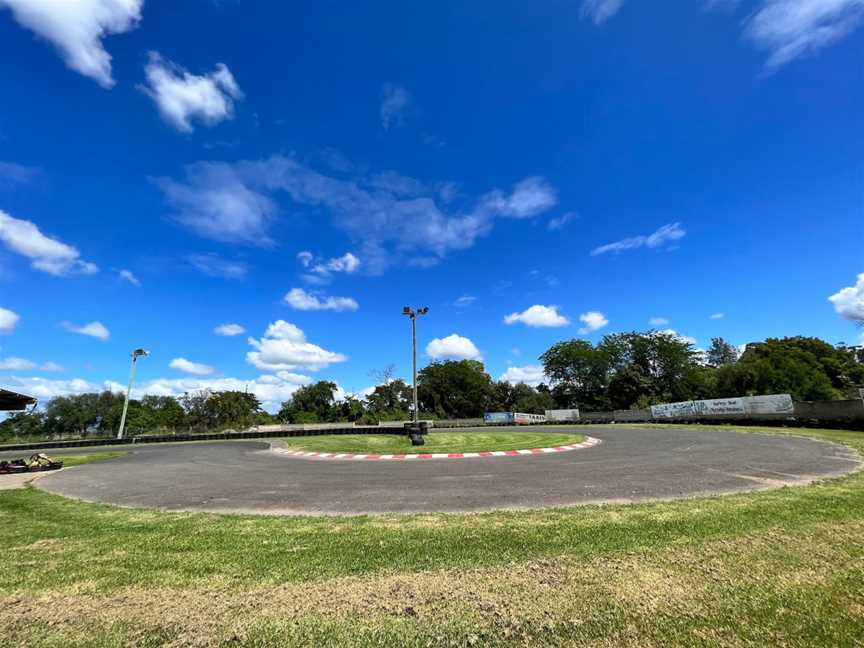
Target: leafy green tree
{"points": [[454, 389], [390, 400], [807, 368], [721, 353], [310, 404], [22, 424], [233, 408], [580, 374]]}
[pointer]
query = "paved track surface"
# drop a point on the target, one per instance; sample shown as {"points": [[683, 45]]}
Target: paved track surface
{"points": [[629, 466]]}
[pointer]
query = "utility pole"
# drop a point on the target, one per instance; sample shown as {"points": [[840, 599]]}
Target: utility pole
{"points": [[137, 353], [414, 314]]}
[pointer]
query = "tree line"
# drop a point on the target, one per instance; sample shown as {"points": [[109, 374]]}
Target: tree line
{"points": [[622, 371]]}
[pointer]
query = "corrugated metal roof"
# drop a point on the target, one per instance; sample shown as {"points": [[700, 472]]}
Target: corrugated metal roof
{"points": [[13, 402]]}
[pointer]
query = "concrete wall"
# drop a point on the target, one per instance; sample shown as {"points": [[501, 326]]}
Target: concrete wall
{"points": [[830, 410]]}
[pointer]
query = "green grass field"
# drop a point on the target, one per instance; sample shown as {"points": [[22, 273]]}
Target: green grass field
{"points": [[435, 442], [773, 568]]}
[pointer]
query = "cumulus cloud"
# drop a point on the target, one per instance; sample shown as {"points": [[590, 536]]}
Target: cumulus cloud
{"points": [[182, 97], [600, 10], [320, 271], [593, 321], [787, 29], [214, 202], [284, 348], [299, 299], [213, 265], [45, 253], [22, 364], [194, 368], [93, 329], [666, 234], [229, 330], [658, 321], [453, 347], [8, 320], [395, 101], [530, 375], [77, 28], [849, 302], [538, 316], [271, 389], [126, 275], [232, 202]]}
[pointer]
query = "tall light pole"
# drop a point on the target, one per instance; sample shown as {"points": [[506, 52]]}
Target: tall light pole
{"points": [[137, 353], [410, 312]]}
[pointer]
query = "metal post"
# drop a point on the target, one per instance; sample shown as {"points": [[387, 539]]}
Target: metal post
{"points": [[137, 353], [128, 392], [414, 359]]}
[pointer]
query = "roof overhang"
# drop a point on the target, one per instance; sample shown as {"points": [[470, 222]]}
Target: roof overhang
{"points": [[13, 402]]}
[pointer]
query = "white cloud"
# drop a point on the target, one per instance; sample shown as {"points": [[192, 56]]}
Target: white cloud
{"points": [[600, 10], [8, 320], [93, 329], [46, 254], [395, 100], [530, 375], [215, 203], [560, 221], [658, 321], [44, 388], [678, 336], [271, 390], [849, 302], [182, 97], [229, 330], [301, 300], [593, 321], [76, 29], [22, 364], [215, 266], [664, 235], [453, 347], [465, 300], [321, 270], [538, 316], [788, 29], [232, 202], [529, 197], [717, 316], [194, 368], [126, 275], [284, 348]]}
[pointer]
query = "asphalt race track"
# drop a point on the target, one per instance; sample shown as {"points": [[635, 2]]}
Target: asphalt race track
{"points": [[628, 466]]}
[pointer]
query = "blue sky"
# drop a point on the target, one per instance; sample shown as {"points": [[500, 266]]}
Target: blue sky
{"points": [[531, 171]]}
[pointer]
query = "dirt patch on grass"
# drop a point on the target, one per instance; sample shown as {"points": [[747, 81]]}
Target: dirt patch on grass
{"points": [[688, 581]]}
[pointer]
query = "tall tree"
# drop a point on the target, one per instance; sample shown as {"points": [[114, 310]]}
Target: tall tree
{"points": [[310, 404], [454, 389], [721, 352]]}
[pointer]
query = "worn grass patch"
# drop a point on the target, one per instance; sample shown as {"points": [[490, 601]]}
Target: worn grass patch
{"points": [[81, 459], [435, 442], [782, 567]]}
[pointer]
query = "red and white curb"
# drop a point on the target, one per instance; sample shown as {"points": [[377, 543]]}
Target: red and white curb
{"points": [[348, 456]]}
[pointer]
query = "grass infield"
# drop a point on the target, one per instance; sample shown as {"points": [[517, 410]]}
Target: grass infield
{"points": [[435, 442], [781, 568]]}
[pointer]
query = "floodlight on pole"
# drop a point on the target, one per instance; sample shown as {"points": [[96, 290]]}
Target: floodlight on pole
{"points": [[137, 353], [410, 312]]}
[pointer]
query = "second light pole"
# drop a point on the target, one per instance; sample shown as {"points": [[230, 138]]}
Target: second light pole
{"points": [[414, 314]]}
